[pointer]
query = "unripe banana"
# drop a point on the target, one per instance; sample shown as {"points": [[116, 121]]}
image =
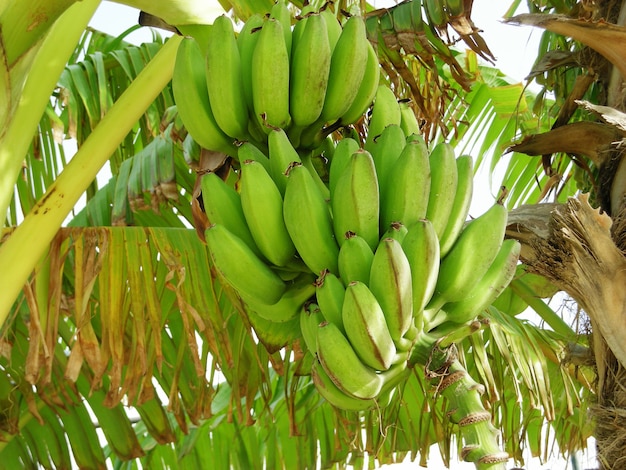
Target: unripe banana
{"points": [[435, 12], [249, 151], [405, 199], [343, 366], [310, 68], [282, 154], [270, 77], [460, 205], [495, 280], [224, 79], [391, 283], [396, 230], [192, 99], [385, 150], [308, 221], [386, 111], [421, 247], [297, 293], [310, 319], [355, 201], [347, 69], [367, 90], [455, 8], [330, 293], [281, 12], [341, 156], [366, 327], [263, 209], [355, 259], [246, 41], [222, 205], [241, 268], [334, 395], [443, 183], [408, 121], [333, 26], [470, 257]]}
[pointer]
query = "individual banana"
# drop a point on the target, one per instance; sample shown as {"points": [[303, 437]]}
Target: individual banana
{"points": [[330, 293], [436, 13], [347, 68], [386, 111], [270, 77], [366, 327], [343, 366], [310, 68], [297, 293], [355, 201], [455, 8], [310, 319], [341, 156], [405, 197], [262, 206], [224, 79], [391, 283], [241, 268], [421, 246], [355, 259], [367, 89], [460, 205], [280, 12], [490, 286], [470, 257], [443, 183], [386, 150], [246, 41], [309, 222], [192, 99], [222, 205], [408, 120], [333, 27], [336, 396], [282, 154], [249, 151], [396, 230]]}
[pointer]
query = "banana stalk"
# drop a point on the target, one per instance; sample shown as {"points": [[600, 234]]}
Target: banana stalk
{"points": [[28, 242]]}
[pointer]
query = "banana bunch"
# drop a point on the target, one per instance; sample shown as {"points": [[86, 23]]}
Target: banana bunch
{"points": [[308, 75], [365, 263]]}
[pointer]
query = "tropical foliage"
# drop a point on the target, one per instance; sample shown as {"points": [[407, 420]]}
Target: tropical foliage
{"points": [[118, 318]]}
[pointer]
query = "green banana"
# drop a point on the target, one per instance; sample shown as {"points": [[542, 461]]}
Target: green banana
{"points": [[249, 151], [310, 319], [282, 154], [405, 197], [224, 79], [436, 12], [334, 395], [490, 286], [330, 293], [309, 222], [391, 283], [470, 257], [281, 12], [270, 77], [343, 151], [443, 183], [421, 246], [297, 293], [460, 205], [246, 41], [408, 120], [343, 366], [366, 327], [396, 230], [355, 201], [386, 150], [347, 68], [241, 268], [367, 90], [333, 26], [310, 68], [355, 259], [192, 99], [386, 111], [222, 205], [455, 8], [263, 209]]}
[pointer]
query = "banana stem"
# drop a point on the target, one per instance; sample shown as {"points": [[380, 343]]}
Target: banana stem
{"points": [[23, 249], [57, 46]]}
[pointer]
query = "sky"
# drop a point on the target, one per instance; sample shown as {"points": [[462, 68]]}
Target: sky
{"points": [[514, 47]]}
